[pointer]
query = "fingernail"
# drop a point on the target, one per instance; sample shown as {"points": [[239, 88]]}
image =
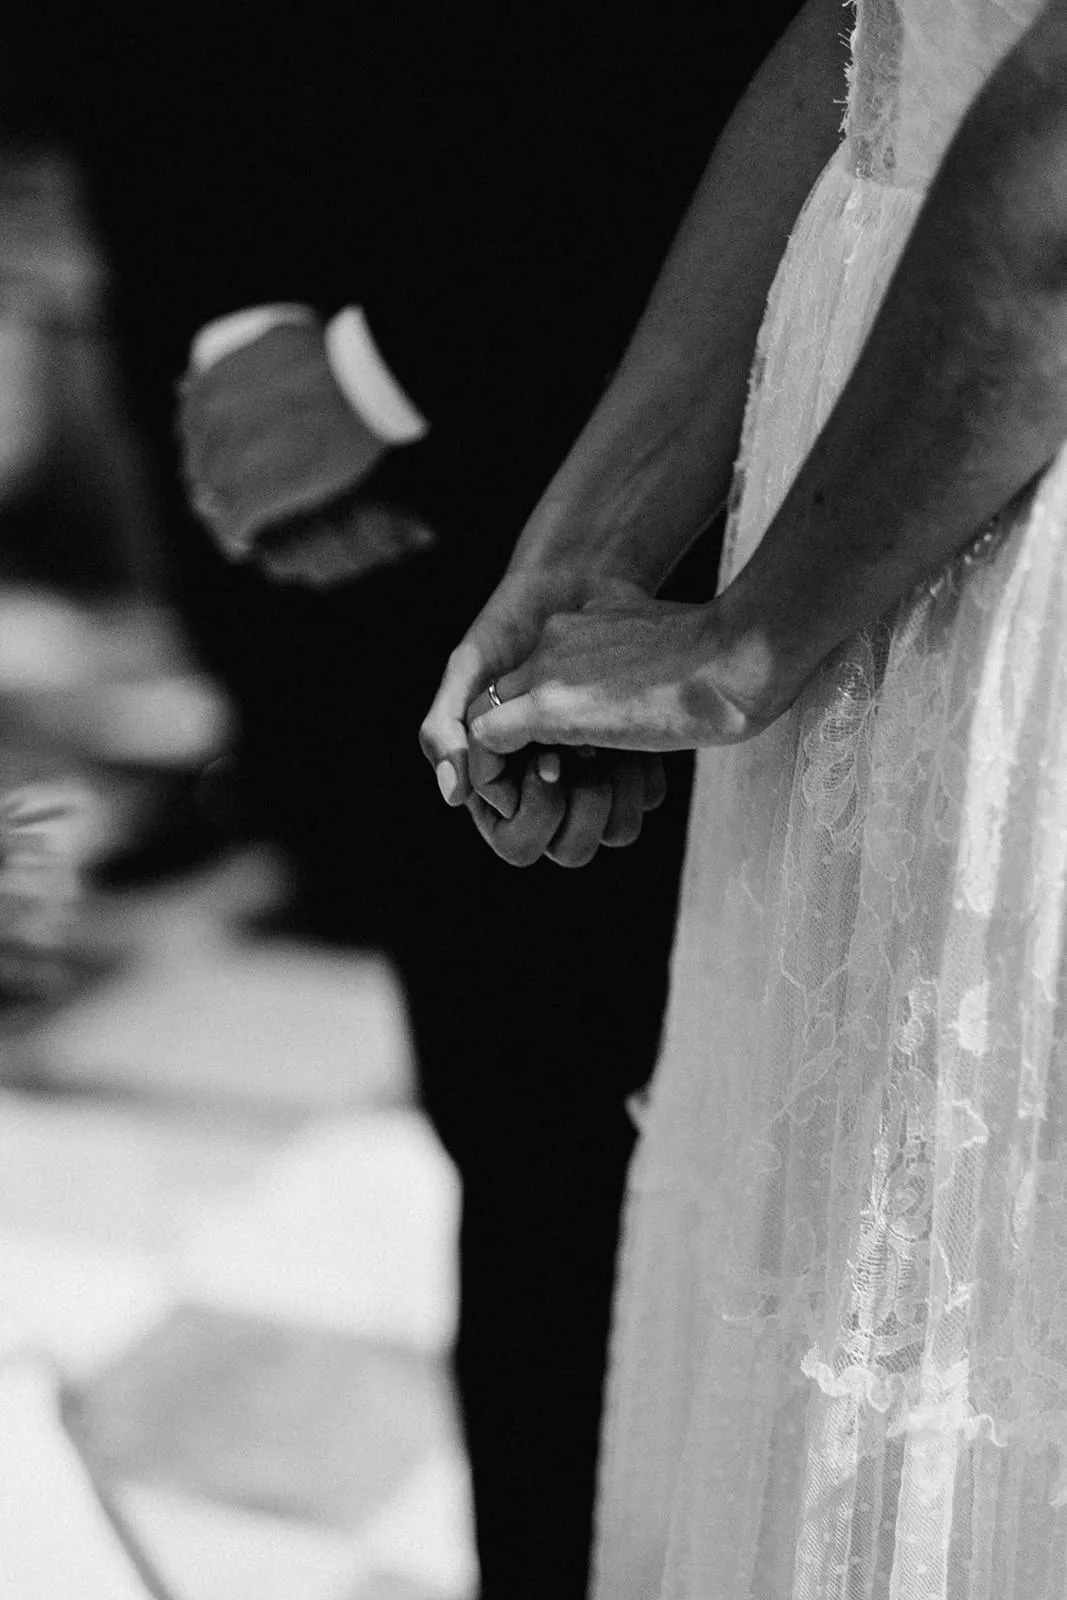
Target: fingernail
{"points": [[447, 778], [476, 727], [548, 768]]}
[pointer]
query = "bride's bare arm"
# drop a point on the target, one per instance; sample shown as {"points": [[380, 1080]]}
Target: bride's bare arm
{"points": [[958, 399], [655, 459]]}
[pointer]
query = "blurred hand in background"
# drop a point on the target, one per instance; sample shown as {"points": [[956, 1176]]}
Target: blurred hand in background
{"points": [[279, 463]]}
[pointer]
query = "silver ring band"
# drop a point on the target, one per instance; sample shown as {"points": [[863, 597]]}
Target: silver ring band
{"points": [[494, 699]]}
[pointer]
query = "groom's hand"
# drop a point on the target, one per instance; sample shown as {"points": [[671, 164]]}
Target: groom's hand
{"points": [[561, 804], [276, 461]]}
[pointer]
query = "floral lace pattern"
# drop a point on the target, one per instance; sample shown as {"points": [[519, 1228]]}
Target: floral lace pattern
{"points": [[839, 1368]]}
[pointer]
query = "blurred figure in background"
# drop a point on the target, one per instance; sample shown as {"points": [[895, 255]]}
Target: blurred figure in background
{"points": [[484, 194], [99, 695], [98, 698]]}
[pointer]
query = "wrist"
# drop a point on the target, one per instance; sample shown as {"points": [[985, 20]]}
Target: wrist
{"points": [[617, 538], [566, 538], [743, 662]]}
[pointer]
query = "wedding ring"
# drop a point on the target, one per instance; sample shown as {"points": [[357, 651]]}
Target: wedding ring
{"points": [[494, 699]]}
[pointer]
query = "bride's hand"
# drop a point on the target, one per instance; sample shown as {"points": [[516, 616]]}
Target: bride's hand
{"points": [[645, 676], [503, 634]]}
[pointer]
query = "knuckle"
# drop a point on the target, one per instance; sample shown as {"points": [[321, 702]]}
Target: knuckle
{"points": [[464, 658], [557, 706], [546, 715]]}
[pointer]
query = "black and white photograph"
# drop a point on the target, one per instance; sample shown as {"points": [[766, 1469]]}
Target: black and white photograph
{"points": [[533, 800]]}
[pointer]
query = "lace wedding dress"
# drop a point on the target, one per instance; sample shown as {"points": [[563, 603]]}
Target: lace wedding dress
{"points": [[840, 1358]]}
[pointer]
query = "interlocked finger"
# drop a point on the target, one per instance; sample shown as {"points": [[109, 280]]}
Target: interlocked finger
{"points": [[627, 804], [587, 814], [523, 838]]}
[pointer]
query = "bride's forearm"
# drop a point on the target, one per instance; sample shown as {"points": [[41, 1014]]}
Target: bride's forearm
{"points": [[655, 459], [958, 399]]}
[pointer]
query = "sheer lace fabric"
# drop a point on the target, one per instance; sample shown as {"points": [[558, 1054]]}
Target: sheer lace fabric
{"points": [[840, 1356]]}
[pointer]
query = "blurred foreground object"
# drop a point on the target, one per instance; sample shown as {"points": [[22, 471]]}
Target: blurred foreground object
{"points": [[57, 1540], [102, 706], [194, 1001], [90, 717], [91, 660], [50, 284], [74, 504], [49, 829], [104, 683]]}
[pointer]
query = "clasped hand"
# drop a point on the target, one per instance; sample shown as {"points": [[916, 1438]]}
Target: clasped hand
{"points": [[593, 687]]}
